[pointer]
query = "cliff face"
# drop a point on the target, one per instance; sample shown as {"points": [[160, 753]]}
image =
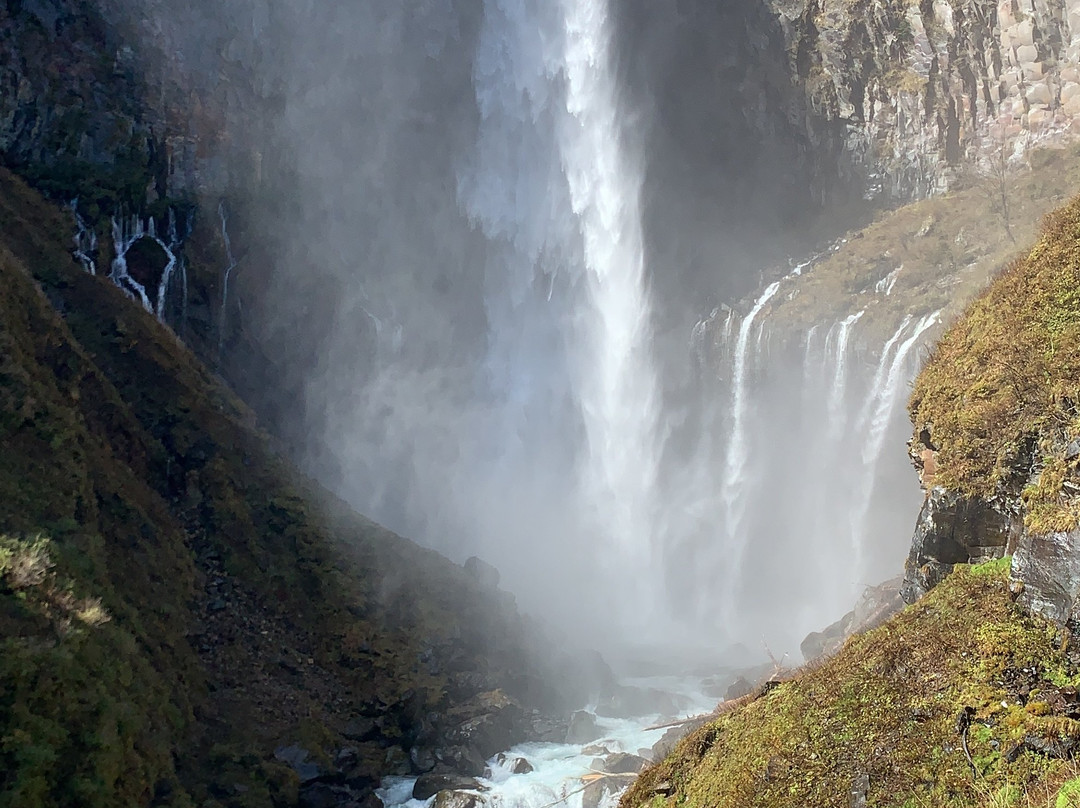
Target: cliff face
{"points": [[968, 696], [926, 89]]}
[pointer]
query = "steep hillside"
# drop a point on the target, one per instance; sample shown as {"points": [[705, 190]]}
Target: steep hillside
{"points": [[178, 604], [886, 721], [996, 429]]}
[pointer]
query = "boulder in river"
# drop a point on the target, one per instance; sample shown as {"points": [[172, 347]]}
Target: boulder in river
{"points": [[624, 701], [595, 749], [739, 688], [583, 728], [458, 799], [595, 791], [620, 763], [428, 785], [514, 764]]}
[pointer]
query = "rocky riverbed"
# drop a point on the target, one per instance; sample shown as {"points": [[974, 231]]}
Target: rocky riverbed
{"points": [[606, 745]]}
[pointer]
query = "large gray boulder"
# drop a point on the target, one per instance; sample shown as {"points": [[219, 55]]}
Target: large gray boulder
{"points": [[1048, 569], [876, 605], [954, 529], [598, 789], [428, 785], [583, 728]]}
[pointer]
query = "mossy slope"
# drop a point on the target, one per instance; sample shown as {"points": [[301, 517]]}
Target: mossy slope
{"points": [[247, 607], [881, 716], [997, 402]]}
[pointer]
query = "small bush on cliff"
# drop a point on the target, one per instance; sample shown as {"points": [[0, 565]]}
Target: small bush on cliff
{"points": [[998, 400]]}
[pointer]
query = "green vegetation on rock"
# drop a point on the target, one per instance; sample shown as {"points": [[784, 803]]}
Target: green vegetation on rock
{"points": [[997, 402], [888, 717]]}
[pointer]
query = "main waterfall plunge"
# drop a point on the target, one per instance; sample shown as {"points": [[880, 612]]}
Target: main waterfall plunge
{"points": [[555, 184], [495, 377]]}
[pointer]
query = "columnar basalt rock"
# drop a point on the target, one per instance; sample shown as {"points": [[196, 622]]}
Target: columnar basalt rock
{"points": [[930, 89]]}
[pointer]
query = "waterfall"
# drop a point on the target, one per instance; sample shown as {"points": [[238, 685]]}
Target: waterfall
{"points": [[793, 528], [127, 232], [734, 481], [886, 285], [554, 186], [230, 266], [839, 336], [884, 390], [172, 253], [86, 241], [618, 396]]}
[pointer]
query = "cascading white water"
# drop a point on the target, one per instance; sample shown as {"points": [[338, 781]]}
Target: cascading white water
{"points": [[837, 392], [125, 234], [618, 386], [129, 231], [875, 420], [86, 241], [734, 478], [553, 187], [229, 267], [795, 527]]}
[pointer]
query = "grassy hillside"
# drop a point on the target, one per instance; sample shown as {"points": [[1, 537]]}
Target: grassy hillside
{"points": [[883, 719], [175, 601], [997, 401]]}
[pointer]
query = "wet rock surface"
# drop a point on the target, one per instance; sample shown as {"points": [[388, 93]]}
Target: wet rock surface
{"points": [[597, 790], [458, 799], [953, 529], [876, 605], [428, 785], [1048, 569], [624, 701], [583, 728], [516, 765], [620, 763]]}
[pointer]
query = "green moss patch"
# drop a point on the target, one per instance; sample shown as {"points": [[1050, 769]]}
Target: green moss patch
{"points": [[998, 398]]}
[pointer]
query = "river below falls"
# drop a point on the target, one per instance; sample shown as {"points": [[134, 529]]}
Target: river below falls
{"points": [[558, 769]]}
